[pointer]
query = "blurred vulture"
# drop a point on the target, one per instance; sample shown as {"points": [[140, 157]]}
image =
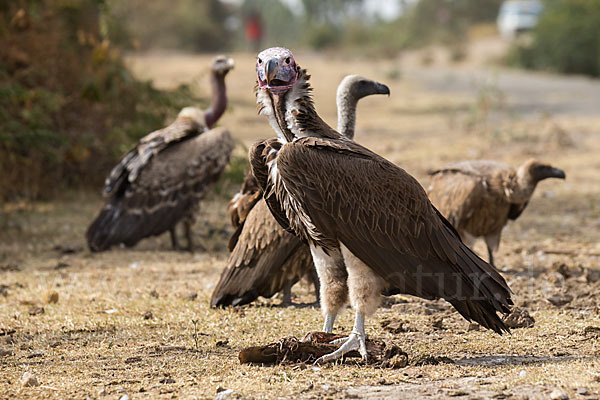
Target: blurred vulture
{"points": [[265, 259], [479, 197], [160, 182]]}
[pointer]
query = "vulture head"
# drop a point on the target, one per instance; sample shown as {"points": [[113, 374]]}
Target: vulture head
{"points": [[276, 70], [358, 87], [222, 65], [538, 171]]}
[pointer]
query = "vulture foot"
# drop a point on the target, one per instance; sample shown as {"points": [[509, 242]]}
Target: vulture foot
{"points": [[356, 341]]}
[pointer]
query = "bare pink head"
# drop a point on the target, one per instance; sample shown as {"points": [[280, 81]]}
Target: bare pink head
{"points": [[276, 70]]}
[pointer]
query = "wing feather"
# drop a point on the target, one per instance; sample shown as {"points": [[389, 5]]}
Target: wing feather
{"points": [[424, 256]]}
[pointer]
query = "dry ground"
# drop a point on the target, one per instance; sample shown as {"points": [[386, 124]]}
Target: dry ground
{"points": [[128, 322]]}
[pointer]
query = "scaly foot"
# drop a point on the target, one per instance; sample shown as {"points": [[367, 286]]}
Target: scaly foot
{"points": [[355, 341]]}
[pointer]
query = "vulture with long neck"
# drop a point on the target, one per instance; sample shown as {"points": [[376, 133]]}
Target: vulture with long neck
{"points": [[369, 224], [478, 197], [265, 259], [161, 181]]}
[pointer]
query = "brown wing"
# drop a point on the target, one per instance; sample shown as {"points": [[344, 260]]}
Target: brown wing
{"points": [[150, 145], [472, 198], [166, 190], [383, 216], [264, 259], [240, 205]]}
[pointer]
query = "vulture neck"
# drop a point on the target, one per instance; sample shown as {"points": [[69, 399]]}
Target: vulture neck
{"points": [[292, 114], [346, 113], [218, 102]]}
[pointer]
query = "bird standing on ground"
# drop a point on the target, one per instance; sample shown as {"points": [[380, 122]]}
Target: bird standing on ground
{"points": [[369, 224], [479, 197], [265, 259], [160, 182]]}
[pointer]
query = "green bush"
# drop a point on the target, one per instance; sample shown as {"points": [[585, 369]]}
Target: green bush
{"points": [[566, 39], [69, 108]]}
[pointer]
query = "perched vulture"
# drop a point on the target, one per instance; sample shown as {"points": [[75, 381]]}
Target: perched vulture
{"points": [[479, 197], [369, 224], [160, 181], [265, 259]]}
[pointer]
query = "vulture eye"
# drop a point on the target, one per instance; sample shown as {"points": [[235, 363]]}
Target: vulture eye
{"points": [[287, 60], [259, 61]]}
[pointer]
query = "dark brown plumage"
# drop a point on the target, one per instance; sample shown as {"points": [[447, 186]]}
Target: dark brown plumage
{"points": [[266, 259], [479, 197], [350, 203], [160, 182]]}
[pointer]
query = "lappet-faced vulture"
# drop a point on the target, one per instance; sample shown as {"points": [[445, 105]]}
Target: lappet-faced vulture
{"points": [[479, 197], [265, 259], [369, 224], [161, 181]]}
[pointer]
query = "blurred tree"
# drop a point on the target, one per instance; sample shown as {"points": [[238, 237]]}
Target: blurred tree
{"points": [[566, 39], [183, 24]]}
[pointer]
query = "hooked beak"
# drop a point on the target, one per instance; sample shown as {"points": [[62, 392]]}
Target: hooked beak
{"points": [[380, 88], [271, 70], [557, 173]]}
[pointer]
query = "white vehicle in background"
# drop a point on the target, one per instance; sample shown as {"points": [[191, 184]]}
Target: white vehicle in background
{"points": [[517, 16]]}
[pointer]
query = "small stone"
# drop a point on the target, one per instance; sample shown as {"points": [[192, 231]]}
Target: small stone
{"points": [[519, 318], [102, 392], [28, 379], [558, 395], [582, 391], [35, 310], [592, 275], [124, 397], [438, 323], [167, 380], [191, 296], [5, 352], [148, 315], [51, 297], [223, 394], [35, 354], [523, 373], [473, 327], [560, 300], [154, 293]]}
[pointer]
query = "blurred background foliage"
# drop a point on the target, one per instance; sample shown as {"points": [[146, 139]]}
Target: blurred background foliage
{"points": [[566, 39], [70, 108]]}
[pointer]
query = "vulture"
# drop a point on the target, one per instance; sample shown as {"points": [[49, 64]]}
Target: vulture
{"points": [[478, 197], [265, 259], [160, 182], [369, 224]]}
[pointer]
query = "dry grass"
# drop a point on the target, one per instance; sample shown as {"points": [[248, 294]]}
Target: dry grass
{"points": [[99, 338]]}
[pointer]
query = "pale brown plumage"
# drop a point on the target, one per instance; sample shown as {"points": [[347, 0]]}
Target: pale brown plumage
{"points": [[160, 181], [352, 205], [479, 197], [265, 258]]}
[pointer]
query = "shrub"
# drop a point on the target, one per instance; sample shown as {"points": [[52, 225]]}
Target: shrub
{"points": [[566, 39]]}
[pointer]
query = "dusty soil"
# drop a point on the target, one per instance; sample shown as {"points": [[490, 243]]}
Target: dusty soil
{"points": [[136, 321]]}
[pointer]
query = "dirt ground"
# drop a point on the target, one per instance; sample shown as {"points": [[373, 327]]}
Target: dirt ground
{"points": [[136, 322]]}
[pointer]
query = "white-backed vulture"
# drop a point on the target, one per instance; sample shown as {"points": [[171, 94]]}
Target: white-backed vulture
{"points": [[265, 259], [478, 197], [161, 181], [369, 224]]}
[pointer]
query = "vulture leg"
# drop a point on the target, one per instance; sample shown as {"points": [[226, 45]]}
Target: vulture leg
{"points": [[333, 283], [493, 242], [187, 226], [287, 294], [174, 241], [364, 292], [315, 278], [356, 341]]}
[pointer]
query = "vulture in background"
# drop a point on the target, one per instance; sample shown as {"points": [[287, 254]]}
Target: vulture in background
{"points": [[265, 259], [369, 224], [479, 197], [160, 182]]}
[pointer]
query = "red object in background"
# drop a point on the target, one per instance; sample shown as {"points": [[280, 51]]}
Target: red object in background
{"points": [[253, 28]]}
